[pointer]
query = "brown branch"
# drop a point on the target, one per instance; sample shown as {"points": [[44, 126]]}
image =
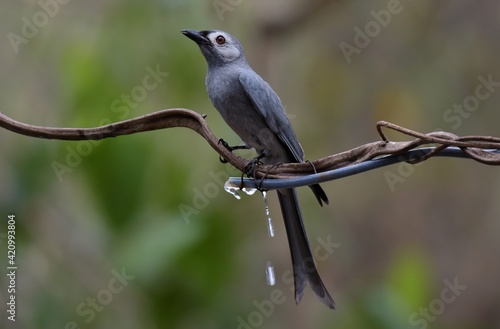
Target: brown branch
{"points": [[473, 146], [163, 119]]}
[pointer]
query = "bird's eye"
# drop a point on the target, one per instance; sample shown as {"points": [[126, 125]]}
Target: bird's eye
{"points": [[220, 40]]}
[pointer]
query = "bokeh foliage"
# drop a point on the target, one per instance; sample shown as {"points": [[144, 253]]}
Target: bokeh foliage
{"points": [[121, 204]]}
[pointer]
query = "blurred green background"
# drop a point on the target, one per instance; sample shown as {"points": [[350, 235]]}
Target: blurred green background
{"points": [[137, 232]]}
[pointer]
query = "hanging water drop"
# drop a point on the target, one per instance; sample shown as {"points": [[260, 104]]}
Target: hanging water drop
{"points": [[270, 277], [270, 228], [232, 189], [249, 190]]}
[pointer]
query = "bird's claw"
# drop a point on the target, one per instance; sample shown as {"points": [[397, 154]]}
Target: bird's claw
{"points": [[251, 165], [230, 148], [226, 145]]}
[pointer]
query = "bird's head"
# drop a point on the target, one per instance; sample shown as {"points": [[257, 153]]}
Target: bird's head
{"points": [[217, 46]]}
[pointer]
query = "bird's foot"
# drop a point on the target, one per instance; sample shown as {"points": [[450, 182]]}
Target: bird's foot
{"points": [[252, 165], [230, 148]]}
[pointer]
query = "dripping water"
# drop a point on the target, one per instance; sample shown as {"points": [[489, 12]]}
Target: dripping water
{"points": [[270, 277], [233, 189], [270, 228]]}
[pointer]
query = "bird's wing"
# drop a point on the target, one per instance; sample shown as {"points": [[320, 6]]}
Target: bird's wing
{"points": [[268, 104]]}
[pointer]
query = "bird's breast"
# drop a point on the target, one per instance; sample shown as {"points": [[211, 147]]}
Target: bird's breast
{"points": [[237, 110]]}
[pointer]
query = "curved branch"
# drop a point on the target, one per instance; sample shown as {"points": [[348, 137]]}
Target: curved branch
{"points": [[473, 147], [170, 118]]}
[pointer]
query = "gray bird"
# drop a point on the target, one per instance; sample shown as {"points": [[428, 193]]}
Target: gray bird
{"points": [[253, 110]]}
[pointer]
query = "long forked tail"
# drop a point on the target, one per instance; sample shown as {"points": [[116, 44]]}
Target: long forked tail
{"points": [[304, 268]]}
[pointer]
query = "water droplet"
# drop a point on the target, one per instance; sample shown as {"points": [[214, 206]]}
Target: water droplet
{"points": [[270, 277], [249, 191], [232, 189], [270, 228]]}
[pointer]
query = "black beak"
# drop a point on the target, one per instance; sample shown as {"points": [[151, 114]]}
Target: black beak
{"points": [[197, 36]]}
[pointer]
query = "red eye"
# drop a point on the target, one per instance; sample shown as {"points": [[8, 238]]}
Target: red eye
{"points": [[220, 40]]}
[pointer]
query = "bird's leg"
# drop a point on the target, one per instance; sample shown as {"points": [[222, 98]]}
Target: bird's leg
{"points": [[252, 164], [250, 168], [231, 148]]}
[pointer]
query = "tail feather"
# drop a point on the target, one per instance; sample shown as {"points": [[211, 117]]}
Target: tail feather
{"points": [[319, 193], [304, 267]]}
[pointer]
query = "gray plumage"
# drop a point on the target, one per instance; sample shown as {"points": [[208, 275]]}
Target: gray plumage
{"points": [[253, 110]]}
